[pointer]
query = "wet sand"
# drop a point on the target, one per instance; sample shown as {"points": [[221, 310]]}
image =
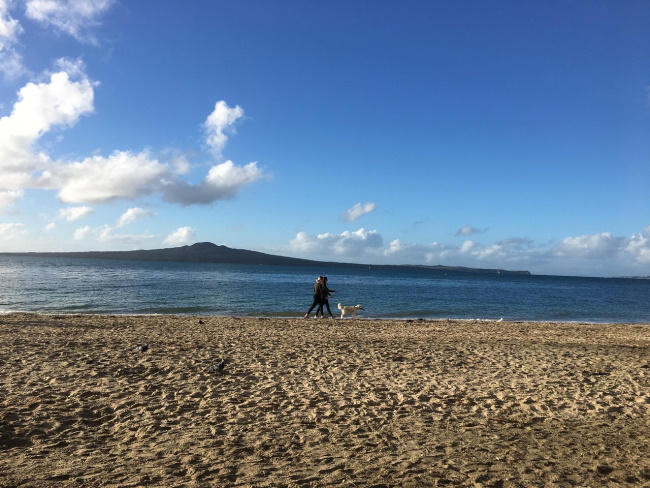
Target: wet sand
{"points": [[306, 402]]}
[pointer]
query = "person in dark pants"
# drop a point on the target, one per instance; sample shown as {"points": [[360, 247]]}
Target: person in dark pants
{"points": [[317, 297], [326, 294]]}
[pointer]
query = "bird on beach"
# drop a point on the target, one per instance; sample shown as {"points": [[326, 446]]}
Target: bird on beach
{"points": [[141, 348], [217, 367], [201, 322]]}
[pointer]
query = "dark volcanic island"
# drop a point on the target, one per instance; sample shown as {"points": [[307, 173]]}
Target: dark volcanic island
{"points": [[207, 252]]}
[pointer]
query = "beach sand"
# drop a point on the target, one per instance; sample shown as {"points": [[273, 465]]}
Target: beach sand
{"points": [[306, 402]]}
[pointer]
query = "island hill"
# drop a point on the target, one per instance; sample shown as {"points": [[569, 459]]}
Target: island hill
{"points": [[206, 252]]}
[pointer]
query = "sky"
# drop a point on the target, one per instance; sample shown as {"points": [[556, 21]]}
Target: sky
{"points": [[506, 134]]}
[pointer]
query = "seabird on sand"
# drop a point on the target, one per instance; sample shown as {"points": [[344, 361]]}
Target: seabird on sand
{"points": [[141, 348], [217, 367]]}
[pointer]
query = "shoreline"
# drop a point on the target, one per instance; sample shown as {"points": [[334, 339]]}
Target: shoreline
{"points": [[304, 402], [299, 315]]}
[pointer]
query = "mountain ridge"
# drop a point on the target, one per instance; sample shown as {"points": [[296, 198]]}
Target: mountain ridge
{"points": [[207, 252]]}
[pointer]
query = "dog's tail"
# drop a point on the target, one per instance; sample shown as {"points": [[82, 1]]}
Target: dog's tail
{"points": [[340, 307]]}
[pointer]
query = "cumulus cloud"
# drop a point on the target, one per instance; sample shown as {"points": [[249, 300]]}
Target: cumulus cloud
{"points": [[98, 179], [75, 213], [131, 215], [9, 27], [468, 230], [128, 175], [471, 253], [571, 255], [347, 244], [639, 246], [218, 123], [223, 181], [81, 233], [8, 198], [40, 107], [12, 231], [413, 253], [106, 234], [507, 250], [358, 210], [181, 237], [603, 245], [11, 64], [49, 227], [73, 17]]}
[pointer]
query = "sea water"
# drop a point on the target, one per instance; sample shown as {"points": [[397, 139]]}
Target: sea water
{"points": [[67, 285]]}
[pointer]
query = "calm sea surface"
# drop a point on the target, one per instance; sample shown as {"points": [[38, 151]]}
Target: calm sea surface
{"points": [[62, 285]]}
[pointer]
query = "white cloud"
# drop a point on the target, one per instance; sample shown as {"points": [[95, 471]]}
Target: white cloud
{"points": [[106, 234], [358, 210], [75, 213], [413, 253], [49, 227], [638, 246], [12, 231], [221, 120], [179, 163], [9, 28], [468, 230], [469, 247], [122, 175], [8, 199], [347, 244], [507, 252], [40, 107], [81, 233], [222, 182], [11, 64], [95, 180], [180, 237], [600, 253], [132, 214], [603, 245], [72, 17]]}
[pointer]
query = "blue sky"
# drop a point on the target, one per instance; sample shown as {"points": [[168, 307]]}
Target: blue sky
{"points": [[508, 134]]}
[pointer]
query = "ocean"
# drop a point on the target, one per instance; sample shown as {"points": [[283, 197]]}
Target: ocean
{"points": [[67, 285]]}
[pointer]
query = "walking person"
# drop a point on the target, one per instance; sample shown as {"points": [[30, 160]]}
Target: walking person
{"points": [[317, 298], [326, 294]]}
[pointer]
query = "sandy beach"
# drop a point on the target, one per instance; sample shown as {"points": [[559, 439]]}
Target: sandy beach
{"points": [[306, 402]]}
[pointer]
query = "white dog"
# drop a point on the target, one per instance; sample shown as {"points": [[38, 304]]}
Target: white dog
{"points": [[349, 310]]}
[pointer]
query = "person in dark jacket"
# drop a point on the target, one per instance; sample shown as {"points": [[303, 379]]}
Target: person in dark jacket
{"points": [[317, 297], [326, 293]]}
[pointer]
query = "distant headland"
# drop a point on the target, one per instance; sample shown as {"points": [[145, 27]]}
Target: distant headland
{"points": [[207, 252]]}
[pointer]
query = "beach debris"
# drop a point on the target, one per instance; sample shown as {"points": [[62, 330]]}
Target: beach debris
{"points": [[217, 367], [201, 322], [141, 348]]}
